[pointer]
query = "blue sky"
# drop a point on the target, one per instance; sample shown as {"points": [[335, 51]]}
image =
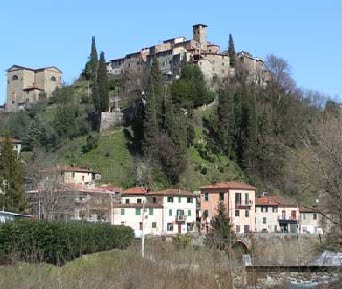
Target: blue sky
{"points": [[307, 33]]}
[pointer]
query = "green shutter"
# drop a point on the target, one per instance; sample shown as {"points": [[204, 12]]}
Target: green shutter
{"points": [[138, 211], [189, 213], [150, 211], [122, 211], [154, 225], [170, 212]]}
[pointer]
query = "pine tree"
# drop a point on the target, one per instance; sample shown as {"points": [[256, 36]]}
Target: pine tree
{"points": [[102, 84], [36, 135], [231, 51], [221, 235], [11, 179]]}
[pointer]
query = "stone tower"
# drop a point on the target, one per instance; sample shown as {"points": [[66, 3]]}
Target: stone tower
{"points": [[200, 35]]}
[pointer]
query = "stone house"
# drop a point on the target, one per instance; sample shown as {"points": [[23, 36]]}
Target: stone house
{"points": [[238, 199], [213, 62], [26, 85]]}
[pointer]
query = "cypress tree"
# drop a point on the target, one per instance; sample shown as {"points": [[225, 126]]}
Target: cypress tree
{"points": [[158, 88], [231, 51], [93, 75], [225, 115], [150, 115], [102, 84], [11, 179]]}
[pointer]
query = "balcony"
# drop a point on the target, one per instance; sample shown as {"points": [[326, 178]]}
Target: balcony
{"points": [[181, 218], [244, 205], [287, 220]]}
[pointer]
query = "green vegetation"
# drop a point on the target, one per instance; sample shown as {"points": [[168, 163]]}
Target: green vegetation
{"points": [[59, 242], [12, 197]]}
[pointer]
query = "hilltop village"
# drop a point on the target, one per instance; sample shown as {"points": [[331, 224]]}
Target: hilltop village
{"points": [[74, 192]]}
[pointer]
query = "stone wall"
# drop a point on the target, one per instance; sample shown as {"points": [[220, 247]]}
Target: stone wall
{"points": [[110, 119]]}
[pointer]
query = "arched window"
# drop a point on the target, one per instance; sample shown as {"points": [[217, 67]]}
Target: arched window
{"points": [[15, 77], [53, 78]]}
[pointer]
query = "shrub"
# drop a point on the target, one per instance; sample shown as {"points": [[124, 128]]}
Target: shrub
{"points": [[59, 242]]}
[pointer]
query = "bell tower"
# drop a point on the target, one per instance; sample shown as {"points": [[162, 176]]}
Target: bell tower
{"points": [[200, 35]]}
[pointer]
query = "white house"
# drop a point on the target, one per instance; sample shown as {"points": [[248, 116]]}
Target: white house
{"points": [[266, 215], [179, 210], [167, 212], [310, 221], [16, 143]]}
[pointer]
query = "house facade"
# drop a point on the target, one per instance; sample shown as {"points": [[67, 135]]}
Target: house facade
{"points": [[167, 212], [239, 200], [310, 221], [26, 85], [266, 215]]}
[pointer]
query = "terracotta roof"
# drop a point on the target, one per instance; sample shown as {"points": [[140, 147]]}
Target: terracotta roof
{"points": [[134, 191], [95, 190], [265, 201], [304, 209], [173, 192], [18, 67], [138, 205], [284, 201], [69, 169], [13, 140], [230, 185]]}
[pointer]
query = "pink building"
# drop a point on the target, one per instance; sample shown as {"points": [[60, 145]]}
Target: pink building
{"points": [[239, 200]]}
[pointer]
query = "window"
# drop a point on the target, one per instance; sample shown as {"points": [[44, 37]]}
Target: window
{"points": [[170, 212], [180, 212], [206, 214], [53, 78], [150, 211], [246, 213], [264, 209], [189, 227], [221, 198], [127, 201], [169, 227], [189, 213], [73, 175], [15, 77], [137, 211], [140, 226], [122, 223], [189, 200], [154, 199], [237, 198], [303, 216], [314, 216], [275, 210], [122, 212], [237, 213], [170, 199], [82, 178], [206, 197], [237, 228], [154, 225], [264, 221], [246, 199], [179, 199], [275, 228], [246, 228], [139, 201]]}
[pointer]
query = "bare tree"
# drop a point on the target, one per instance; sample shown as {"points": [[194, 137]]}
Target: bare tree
{"points": [[323, 168], [281, 72]]}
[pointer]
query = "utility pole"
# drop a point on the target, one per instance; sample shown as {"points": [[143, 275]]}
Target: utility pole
{"points": [[142, 232]]}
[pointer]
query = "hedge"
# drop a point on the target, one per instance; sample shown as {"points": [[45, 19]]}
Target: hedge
{"points": [[59, 242]]}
